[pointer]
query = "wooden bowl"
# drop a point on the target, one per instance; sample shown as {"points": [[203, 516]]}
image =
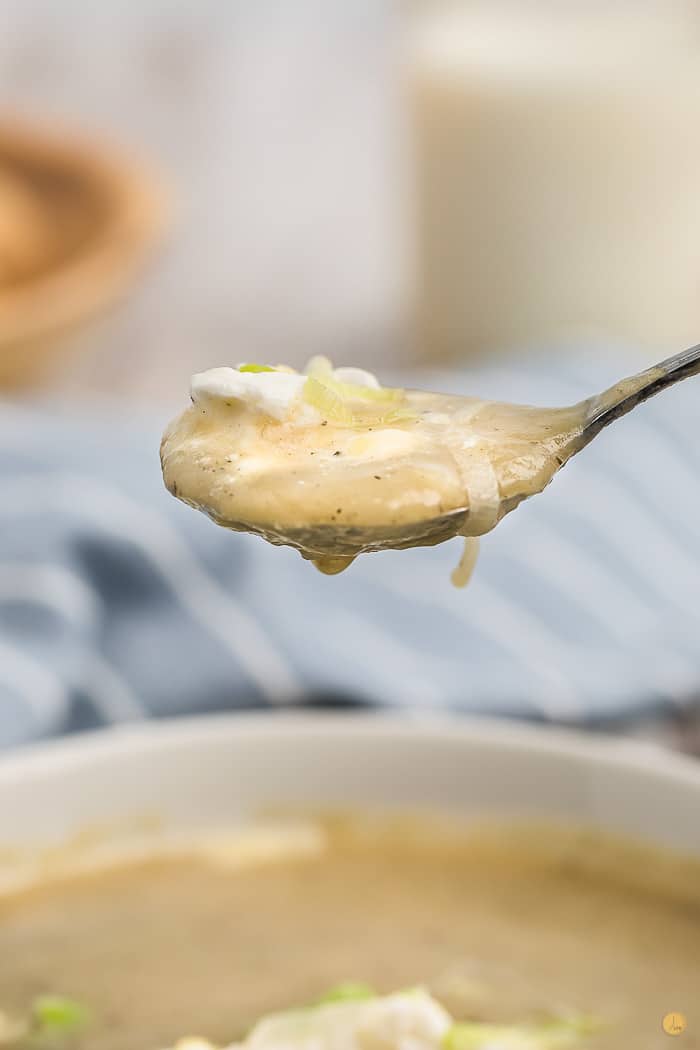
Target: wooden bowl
{"points": [[76, 223]]}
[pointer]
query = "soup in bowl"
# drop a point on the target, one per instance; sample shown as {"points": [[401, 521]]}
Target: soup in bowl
{"points": [[313, 882]]}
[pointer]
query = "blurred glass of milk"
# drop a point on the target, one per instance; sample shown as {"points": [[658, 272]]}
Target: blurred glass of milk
{"points": [[557, 168]]}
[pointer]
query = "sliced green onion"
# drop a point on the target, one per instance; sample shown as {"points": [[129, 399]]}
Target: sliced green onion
{"points": [[357, 392], [256, 368], [351, 403], [56, 1015], [557, 1034], [348, 991], [327, 401]]}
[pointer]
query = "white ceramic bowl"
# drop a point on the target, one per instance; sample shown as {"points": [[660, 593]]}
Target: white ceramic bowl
{"points": [[220, 770]]}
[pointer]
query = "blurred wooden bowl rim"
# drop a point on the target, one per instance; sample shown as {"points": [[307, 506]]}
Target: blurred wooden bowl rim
{"points": [[100, 213]]}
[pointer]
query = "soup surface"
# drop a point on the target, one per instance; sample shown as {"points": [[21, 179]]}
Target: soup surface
{"points": [[500, 927]]}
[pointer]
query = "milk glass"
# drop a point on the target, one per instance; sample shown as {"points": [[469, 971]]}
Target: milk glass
{"points": [[556, 153]]}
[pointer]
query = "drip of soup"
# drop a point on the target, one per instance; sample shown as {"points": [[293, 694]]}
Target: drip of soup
{"points": [[505, 928]]}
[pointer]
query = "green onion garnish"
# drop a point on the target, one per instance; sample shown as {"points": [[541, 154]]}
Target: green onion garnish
{"points": [[56, 1015], [556, 1034], [352, 404], [256, 368], [348, 991]]}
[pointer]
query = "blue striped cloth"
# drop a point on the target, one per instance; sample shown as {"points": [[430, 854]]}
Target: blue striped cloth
{"points": [[119, 603]]}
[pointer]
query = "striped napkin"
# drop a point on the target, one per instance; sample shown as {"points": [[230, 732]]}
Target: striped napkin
{"points": [[118, 603]]}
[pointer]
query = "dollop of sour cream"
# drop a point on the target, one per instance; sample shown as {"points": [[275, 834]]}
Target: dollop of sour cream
{"points": [[276, 393], [272, 393], [403, 1021]]}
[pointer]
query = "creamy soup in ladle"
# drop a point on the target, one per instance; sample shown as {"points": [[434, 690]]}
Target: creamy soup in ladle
{"points": [[333, 464]]}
